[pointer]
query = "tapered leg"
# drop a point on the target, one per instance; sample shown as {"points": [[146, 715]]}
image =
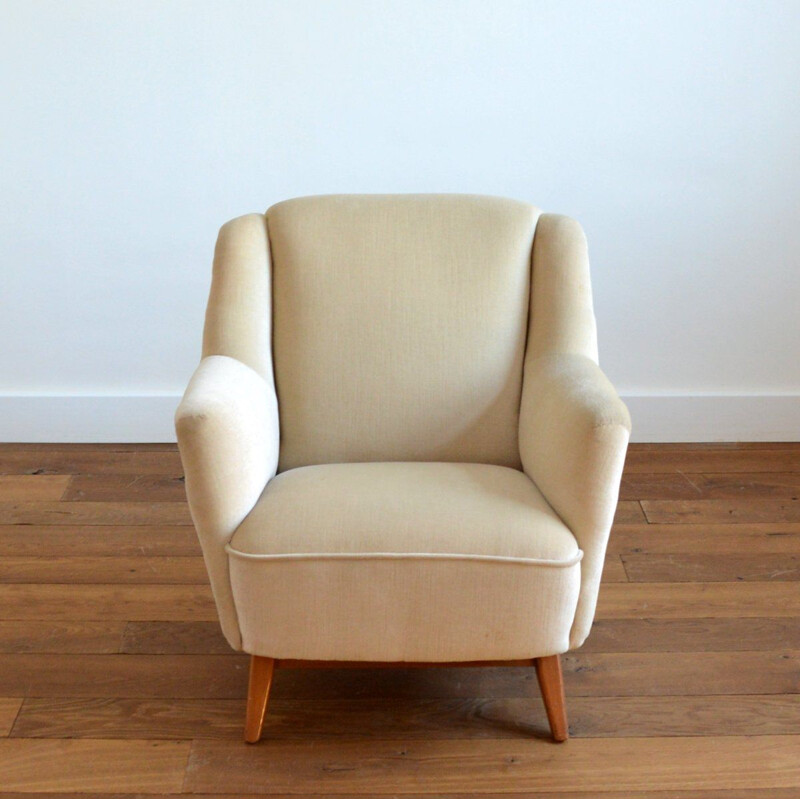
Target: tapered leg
{"points": [[261, 670], [551, 682]]}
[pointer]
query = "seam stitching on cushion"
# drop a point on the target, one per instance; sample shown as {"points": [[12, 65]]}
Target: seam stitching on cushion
{"points": [[539, 562]]}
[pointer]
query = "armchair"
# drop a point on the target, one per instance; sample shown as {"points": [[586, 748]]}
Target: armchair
{"points": [[398, 445]]}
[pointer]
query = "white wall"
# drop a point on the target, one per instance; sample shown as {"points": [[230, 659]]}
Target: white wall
{"points": [[132, 130]]}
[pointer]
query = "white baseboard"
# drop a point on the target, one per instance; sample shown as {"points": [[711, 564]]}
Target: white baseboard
{"points": [[715, 418], [148, 418], [87, 418]]}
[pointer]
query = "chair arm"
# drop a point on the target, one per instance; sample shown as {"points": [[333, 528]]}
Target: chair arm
{"points": [[228, 435], [574, 433]]}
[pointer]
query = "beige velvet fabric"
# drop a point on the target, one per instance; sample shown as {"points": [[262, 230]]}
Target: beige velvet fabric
{"points": [[574, 429], [404, 561], [399, 327], [239, 313], [426, 350]]}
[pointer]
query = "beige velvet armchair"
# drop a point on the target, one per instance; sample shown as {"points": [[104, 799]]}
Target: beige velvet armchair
{"points": [[398, 445]]}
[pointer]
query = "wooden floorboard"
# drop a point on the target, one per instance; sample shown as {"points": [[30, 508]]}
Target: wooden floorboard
{"points": [[32, 487], [109, 569], [414, 718], [399, 767], [64, 601], [69, 765], [691, 635], [683, 600], [82, 513], [54, 541], [60, 637], [120, 488], [9, 708], [681, 512], [699, 568], [711, 540], [116, 680]]}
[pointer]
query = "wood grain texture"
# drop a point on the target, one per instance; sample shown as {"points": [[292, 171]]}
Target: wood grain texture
{"points": [[688, 600], [124, 488], [713, 540], [614, 570], [692, 635], [766, 458], [109, 646], [70, 675], [46, 636], [224, 676], [32, 487], [105, 569], [48, 601], [62, 513], [53, 541], [709, 486], [700, 568], [9, 708], [629, 512], [82, 765], [177, 638], [384, 718], [400, 767], [72, 460], [681, 512]]}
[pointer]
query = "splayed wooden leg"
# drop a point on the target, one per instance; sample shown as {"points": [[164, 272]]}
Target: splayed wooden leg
{"points": [[551, 683], [261, 671]]}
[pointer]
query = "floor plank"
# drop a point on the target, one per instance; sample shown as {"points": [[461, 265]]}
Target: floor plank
{"points": [[688, 685], [176, 638], [722, 485], [69, 675], [9, 708], [224, 677], [119, 488], [636, 764], [411, 719], [692, 600], [718, 539], [614, 570], [656, 486], [52, 541], [85, 765], [32, 487], [106, 569], [65, 601], [699, 568], [691, 635], [68, 460], [706, 673], [709, 486], [674, 512], [62, 513], [629, 512], [767, 458], [46, 636]]}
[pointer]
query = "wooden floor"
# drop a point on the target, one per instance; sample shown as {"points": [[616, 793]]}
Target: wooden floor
{"points": [[114, 678]]}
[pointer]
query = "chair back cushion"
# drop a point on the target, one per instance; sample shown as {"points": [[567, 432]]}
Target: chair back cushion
{"points": [[399, 326]]}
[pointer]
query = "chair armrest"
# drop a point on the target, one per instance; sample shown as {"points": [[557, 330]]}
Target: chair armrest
{"points": [[574, 433], [228, 435]]}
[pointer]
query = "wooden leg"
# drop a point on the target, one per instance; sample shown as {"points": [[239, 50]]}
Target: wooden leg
{"points": [[261, 670], [551, 683]]}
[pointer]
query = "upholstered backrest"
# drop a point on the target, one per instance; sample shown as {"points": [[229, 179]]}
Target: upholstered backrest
{"points": [[399, 326]]}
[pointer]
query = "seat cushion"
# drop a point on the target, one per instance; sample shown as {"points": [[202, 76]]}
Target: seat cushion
{"points": [[399, 561]]}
